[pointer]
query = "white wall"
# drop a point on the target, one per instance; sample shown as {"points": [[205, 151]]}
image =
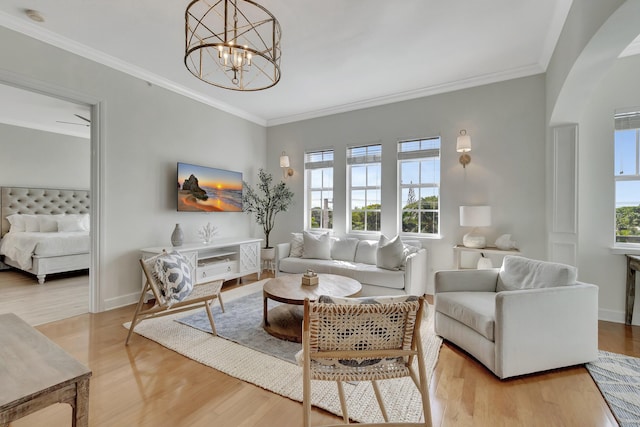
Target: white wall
{"points": [[618, 89], [146, 130], [585, 84], [33, 158], [506, 124]]}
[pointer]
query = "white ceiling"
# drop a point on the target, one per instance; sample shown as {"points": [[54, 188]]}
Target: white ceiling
{"points": [[337, 55]]}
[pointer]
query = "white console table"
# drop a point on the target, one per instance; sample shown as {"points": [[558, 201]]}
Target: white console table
{"points": [[226, 259], [490, 250]]}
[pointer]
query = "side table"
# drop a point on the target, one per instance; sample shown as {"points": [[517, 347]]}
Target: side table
{"points": [[633, 265], [37, 373]]}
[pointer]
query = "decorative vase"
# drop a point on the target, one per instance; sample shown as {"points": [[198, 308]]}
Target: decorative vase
{"points": [[177, 236]]}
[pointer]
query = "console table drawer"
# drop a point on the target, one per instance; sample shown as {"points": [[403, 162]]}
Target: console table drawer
{"points": [[213, 270]]}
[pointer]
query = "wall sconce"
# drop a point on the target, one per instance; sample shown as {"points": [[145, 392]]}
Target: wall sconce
{"points": [[284, 164], [464, 146]]}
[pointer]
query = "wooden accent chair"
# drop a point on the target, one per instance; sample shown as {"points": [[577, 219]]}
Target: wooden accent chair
{"points": [[342, 341], [202, 295]]}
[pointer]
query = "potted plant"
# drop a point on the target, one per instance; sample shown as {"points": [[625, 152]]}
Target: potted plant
{"points": [[266, 201]]}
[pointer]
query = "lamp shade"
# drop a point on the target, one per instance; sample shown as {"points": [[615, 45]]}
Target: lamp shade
{"points": [[463, 144], [475, 216], [284, 161]]}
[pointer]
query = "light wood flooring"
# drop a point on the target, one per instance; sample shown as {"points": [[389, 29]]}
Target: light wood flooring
{"points": [[146, 384], [61, 296]]}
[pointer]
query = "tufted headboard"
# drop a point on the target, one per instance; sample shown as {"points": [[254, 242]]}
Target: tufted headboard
{"points": [[41, 201]]}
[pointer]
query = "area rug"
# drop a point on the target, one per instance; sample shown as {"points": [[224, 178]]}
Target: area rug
{"points": [[241, 323], [618, 378], [284, 378]]}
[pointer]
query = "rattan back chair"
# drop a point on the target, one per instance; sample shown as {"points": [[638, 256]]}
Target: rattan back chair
{"points": [[202, 296], [347, 340]]}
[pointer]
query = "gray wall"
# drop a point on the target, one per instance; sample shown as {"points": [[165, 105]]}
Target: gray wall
{"points": [[506, 124], [33, 158], [146, 130]]}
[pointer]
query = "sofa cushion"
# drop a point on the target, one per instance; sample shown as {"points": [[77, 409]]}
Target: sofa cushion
{"points": [[316, 246], [366, 274], [474, 309], [366, 251], [389, 253], [344, 249], [293, 265], [296, 245], [523, 273]]}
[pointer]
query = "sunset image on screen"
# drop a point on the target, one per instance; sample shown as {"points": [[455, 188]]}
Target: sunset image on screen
{"points": [[207, 189]]}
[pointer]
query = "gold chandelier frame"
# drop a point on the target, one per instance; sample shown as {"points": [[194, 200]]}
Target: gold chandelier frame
{"points": [[232, 44]]}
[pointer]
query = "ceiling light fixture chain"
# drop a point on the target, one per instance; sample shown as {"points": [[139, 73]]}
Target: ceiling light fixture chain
{"points": [[232, 44]]}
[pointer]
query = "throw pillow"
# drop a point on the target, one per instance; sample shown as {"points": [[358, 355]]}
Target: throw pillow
{"points": [[523, 273], [296, 245], [174, 274], [389, 253], [317, 246], [66, 223], [31, 223], [344, 249], [407, 251], [17, 222], [366, 252], [48, 223]]}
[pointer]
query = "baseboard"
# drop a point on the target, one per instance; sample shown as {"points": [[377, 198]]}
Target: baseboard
{"points": [[121, 301], [614, 316]]}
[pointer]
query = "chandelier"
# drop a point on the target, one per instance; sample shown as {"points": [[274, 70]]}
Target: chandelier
{"points": [[232, 44]]}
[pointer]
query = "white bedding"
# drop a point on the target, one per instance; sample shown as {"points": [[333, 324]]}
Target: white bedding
{"points": [[21, 246]]}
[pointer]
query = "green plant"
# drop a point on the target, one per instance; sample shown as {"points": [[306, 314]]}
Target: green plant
{"points": [[266, 201]]}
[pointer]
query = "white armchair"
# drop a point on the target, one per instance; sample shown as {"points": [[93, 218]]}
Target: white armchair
{"points": [[527, 316]]}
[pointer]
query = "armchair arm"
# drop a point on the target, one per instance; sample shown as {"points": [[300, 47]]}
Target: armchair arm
{"points": [[415, 273], [540, 329], [282, 251], [466, 280]]}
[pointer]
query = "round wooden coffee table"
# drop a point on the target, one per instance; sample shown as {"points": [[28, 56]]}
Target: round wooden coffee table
{"points": [[285, 320]]}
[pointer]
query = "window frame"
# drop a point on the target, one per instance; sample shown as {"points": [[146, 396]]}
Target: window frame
{"points": [[311, 165], [625, 121], [372, 157], [419, 155]]}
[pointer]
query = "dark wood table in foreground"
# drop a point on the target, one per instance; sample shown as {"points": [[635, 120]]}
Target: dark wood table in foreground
{"points": [[285, 321], [36, 373]]}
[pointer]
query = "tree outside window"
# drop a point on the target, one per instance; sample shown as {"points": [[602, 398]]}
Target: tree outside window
{"points": [[419, 185]]}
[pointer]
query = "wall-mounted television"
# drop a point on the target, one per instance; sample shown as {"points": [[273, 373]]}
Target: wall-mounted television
{"points": [[205, 189]]}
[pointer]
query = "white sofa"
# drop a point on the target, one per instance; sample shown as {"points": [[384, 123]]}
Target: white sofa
{"points": [[358, 259], [528, 316]]}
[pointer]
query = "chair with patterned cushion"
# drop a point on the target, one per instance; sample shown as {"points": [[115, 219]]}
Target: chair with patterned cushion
{"points": [[363, 339], [170, 278]]}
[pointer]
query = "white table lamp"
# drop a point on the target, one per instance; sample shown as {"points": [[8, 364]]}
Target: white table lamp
{"points": [[475, 216]]}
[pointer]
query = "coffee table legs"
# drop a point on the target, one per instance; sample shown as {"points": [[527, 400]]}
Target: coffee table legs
{"points": [[265, 320]]}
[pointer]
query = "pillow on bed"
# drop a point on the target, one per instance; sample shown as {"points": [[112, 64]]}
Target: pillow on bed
{"points": [[31, 223], [48, 223], [17, 222], [70, 223]]}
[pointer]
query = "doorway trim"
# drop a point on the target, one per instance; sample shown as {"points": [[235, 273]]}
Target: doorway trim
{"points": [[96, 186]]}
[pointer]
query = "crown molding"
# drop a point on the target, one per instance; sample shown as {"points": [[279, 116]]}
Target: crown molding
{"points": [[515, 73], [49, 37]]}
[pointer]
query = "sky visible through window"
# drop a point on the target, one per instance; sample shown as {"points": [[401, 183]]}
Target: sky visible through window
{"points": [[626, 164]]}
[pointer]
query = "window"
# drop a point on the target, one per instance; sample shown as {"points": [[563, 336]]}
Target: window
{"points": [[627, 177], [419, 185], [365, 182], [318, 166]]}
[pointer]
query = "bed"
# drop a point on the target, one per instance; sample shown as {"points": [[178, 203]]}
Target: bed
{"points": [[50, 230]]}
